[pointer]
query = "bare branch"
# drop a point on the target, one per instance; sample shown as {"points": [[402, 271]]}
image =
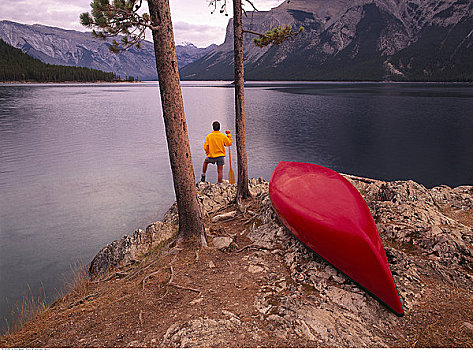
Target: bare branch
{"points": [[255, 33], [147, 277], [186, 288], [223, 7], [252, 5]]}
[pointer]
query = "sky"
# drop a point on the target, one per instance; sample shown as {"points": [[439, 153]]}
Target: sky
{"points": [[192, 19]]}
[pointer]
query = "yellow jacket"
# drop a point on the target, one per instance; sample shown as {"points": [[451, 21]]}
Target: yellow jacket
{"points": [[215, 143]]}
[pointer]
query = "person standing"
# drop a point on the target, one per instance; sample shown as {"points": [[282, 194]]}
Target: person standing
{"points": [[214, 147]]}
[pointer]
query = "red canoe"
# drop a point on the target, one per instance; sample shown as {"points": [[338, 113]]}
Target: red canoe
{"points": [[326, 213]]}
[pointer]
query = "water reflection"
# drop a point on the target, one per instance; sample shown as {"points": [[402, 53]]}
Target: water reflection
{"points": [[377, 133]]}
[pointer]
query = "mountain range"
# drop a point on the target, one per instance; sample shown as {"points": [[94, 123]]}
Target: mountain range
{"points": [[380, 40], [404, 40], [73, 48]]}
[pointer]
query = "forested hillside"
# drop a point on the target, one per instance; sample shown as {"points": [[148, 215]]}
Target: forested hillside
{"points": [[18, 66], [80, 49]]}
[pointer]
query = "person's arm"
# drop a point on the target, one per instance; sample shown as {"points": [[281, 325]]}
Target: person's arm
{"points": [[228, 140], [206, 146]]}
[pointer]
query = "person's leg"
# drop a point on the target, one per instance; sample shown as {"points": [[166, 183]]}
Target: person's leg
{"points": [[204, 169], [220, 173]]}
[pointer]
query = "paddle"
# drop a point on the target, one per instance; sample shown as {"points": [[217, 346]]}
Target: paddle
{"points": [[231, 174]]}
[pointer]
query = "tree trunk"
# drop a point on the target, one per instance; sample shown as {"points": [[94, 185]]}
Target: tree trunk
{"points": [[242, 186], [191, 226]]}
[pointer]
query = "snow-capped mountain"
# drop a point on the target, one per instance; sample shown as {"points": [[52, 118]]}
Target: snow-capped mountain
{"points": [[353, 40]]}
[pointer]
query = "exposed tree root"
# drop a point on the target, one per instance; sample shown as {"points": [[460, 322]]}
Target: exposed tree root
{"points": [[143, 283], [252, 246]]}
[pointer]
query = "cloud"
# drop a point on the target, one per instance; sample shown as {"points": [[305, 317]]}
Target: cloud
{"points": [[193, 21], [48, 12], [199, 35]]}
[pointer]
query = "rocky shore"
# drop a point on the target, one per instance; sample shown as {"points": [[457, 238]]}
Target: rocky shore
{"points": [[256, 285], [425, 231]]}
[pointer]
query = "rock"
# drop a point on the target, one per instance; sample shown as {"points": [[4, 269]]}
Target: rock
{"points": [[159, 232], [200, 332], [414, 215], [469, 327], [196, 301], [275, 318], [255, 269], [233, 318], [214, 197], [133, 344], [130, 248], [303, 330], [222, 243], [171, 217], [229, 314], [338, 278], [225, 216]]}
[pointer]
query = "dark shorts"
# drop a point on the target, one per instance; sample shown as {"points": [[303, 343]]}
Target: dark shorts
{"points": [[218, 160]]}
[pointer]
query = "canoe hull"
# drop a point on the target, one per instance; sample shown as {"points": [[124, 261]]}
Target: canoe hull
{"points": [[326, 213]]}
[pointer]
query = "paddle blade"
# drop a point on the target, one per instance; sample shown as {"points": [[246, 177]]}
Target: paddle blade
{"points": [[231, 176]]}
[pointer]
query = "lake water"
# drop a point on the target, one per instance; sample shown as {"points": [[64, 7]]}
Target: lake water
{"points": [[84, 164]]}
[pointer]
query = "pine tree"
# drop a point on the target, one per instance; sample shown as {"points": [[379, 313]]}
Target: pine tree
{"points": [[122, 18]]}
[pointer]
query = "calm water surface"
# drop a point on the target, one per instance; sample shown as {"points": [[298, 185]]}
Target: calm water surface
{"points": [[83, 165]]}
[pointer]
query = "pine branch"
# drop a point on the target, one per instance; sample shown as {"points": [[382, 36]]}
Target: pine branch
{"points": [[121, 17], [274, 37]]}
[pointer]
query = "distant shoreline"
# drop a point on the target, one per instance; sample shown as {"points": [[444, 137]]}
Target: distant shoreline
{"points": [[69, 82], [339, 81], [248, 81]]}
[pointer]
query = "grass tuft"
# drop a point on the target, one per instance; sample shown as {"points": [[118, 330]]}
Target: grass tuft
{"points": [[79, 285], [27, 309], [31, 306]]}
